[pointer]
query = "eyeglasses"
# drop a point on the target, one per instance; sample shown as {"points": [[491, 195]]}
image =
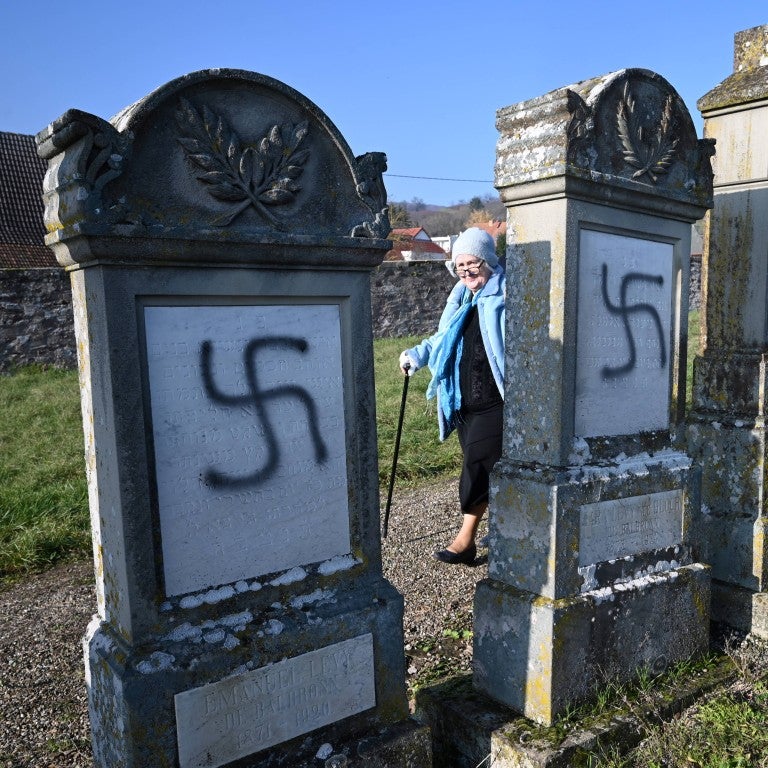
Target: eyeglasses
{"points": [[470, 271]]}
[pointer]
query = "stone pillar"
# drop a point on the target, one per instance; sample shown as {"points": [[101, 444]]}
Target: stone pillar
{"points": [[592, 571], [220, 236], [727, 432]]}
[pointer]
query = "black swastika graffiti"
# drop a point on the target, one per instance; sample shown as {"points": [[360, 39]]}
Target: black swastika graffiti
{"points": [[258, 398], [625, 311]]}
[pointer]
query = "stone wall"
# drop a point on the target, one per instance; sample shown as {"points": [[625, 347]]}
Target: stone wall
{"points": [[694, 300], [36, 308], [36, 319], [407, 297]]}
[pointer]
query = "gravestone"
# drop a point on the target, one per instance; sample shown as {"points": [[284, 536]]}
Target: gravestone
{"points": [[727, 433], [593, 570], [219, 236]]}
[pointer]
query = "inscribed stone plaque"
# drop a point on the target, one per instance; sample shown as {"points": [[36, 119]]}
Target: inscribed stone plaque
{"points": [[621, 527], [243, 714], [623, 354], [249, 440]]}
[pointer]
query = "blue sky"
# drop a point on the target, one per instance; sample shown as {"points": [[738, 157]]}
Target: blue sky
{"points": [[420, 81]]}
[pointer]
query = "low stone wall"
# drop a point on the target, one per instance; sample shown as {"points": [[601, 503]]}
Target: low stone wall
{"points": [[694, 298], [36, 323], [407, 298]]}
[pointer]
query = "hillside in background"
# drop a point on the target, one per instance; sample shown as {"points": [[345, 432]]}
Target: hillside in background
{"points": [[439, 221]]}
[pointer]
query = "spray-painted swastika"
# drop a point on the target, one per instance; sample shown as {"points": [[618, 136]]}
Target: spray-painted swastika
{"points": [[625, 311], [258, 397]]}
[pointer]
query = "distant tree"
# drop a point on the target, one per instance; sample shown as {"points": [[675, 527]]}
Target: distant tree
{"points": [[475, 204], [494, 207], [399, 218], [478, 216], [444, 221], [501, 248], [417, 204]]}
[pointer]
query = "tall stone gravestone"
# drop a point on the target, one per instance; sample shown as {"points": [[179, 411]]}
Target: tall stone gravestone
{"points": [[220, 236], [592, 572], [727, 432]]}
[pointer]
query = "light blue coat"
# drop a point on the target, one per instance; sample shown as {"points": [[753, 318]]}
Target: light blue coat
{"points": [[490, 310]]}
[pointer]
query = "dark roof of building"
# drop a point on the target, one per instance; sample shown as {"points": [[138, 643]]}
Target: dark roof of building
{"points": [[21, 204]]}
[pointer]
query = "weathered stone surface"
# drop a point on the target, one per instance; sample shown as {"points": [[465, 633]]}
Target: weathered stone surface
{"points": [[220, 237], [594, 507], [408, 297], [748, 81], [587, 138], [36, 319], [540, 540], [726, 433], [538, 655]]}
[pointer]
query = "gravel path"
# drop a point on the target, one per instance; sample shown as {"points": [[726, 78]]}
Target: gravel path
{"points": [[43, 714]]}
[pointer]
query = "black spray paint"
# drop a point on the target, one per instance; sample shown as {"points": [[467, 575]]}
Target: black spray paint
{"points": [[625, 311], [258, 398]]}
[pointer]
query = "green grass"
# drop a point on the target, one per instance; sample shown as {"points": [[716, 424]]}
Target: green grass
{"points": [[43, 495], [724, 729], [422, 456]]}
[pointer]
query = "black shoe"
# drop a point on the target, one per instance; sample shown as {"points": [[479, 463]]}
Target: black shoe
{"points": [[466, 557]]}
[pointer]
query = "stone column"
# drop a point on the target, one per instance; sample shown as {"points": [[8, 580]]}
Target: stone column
{"points": [[727, 432], [592, 572], [220, 236]]}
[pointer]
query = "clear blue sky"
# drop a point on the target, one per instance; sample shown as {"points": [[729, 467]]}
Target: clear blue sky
{"points": [[420, 81]]}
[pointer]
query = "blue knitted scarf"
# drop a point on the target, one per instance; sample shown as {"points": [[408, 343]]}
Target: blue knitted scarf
{"points": [[445, 358]]}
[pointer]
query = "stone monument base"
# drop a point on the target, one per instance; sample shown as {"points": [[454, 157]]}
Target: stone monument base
{"points": [[740, 608], [234, 698], [539, 655], [467, 726], [407, 744]]}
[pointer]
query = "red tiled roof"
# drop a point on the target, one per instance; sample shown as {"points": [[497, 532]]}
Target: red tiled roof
{"points": [[21, 204], [414, 246], [411, 232]]}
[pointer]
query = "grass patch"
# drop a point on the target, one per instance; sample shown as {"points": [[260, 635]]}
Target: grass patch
{"points": [[422, 456], [43, 494], [724, 729]]}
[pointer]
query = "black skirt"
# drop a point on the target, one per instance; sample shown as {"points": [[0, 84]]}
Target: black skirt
{"points": [[480, 434]]}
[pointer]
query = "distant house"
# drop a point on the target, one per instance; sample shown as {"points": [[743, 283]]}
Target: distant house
{"points": [[445, 242], [21, 204], [413, 244]]}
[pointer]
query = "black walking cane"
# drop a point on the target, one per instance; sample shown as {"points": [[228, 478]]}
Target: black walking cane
{"points": [[406, 367]]}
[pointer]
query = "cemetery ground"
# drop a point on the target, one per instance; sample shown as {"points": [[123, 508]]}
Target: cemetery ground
{"points": [[47, 593]]}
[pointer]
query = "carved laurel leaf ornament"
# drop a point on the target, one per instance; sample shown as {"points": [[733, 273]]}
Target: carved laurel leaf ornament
{"points": [[654, 156], [259, 176]]}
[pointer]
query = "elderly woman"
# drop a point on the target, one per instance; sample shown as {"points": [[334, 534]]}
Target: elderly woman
{"points": [[466, 358]]}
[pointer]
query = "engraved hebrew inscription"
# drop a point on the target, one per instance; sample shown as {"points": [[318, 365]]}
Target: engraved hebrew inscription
{"points": [[621, 527], [249, 439], [243, 714], [623, 338]]}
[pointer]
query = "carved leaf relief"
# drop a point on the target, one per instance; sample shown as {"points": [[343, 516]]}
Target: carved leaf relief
{"points": [[652, 155], [249, 176], [582, 122]]}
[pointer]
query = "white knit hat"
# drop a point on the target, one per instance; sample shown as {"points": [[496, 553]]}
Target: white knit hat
{"points": [[474, 242]]}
